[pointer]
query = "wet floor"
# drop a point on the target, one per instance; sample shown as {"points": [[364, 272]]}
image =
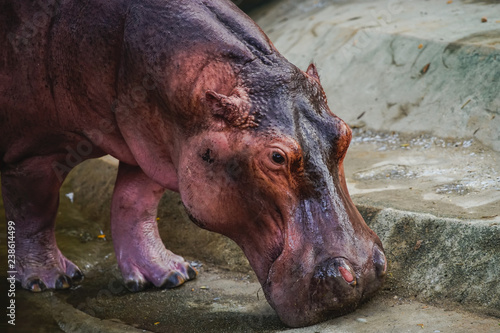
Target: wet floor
{"points": [[447, 178]]}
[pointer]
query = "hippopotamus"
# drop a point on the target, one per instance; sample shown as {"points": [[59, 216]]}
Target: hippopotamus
{"points": [[190, 96]]}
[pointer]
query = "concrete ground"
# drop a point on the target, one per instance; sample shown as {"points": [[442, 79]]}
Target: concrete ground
{"points": [[423, 169]]}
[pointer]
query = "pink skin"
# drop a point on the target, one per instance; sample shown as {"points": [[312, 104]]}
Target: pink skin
{"points": [[47, 129], [206, 107], [143, 258], [253, 225], [134, 133]]}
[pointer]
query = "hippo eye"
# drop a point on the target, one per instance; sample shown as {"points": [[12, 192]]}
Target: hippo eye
{"points": [[278, 158]]}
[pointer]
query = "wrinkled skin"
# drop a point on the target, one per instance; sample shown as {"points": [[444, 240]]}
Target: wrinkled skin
{"points": [[192, 97]]}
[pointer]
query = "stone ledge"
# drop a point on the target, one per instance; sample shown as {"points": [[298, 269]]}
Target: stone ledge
{"points": [[439, 260]]}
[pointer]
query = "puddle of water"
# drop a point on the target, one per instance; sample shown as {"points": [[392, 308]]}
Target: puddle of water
{"points": [[395, 141], [459, 189], [445, 177], [354, 190]]}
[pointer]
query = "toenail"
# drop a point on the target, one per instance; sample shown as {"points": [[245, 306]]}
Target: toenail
{"points": [[77, 276], [36, 286], [135, 286], [192, 273], [63, 282], [173, 281]]}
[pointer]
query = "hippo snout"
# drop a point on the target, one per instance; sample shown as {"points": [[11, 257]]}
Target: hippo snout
{"points": [[338, 286], [313, 292], [340, 276]]}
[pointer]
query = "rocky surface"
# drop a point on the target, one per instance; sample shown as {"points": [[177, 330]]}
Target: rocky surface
{"points": [[408, 66]]}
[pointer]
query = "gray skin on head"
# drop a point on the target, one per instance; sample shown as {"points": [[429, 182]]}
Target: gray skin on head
{"points": [[190, 96]]}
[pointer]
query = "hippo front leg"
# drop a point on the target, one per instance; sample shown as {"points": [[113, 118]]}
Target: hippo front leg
{"points": [[141, 255]]}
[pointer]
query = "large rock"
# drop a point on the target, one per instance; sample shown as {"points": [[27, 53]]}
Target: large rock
{"points": [[407, 66], [440, 260]]}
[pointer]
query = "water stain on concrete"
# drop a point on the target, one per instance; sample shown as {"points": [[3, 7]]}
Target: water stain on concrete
{"points": [[481, 2], [490, 38]]}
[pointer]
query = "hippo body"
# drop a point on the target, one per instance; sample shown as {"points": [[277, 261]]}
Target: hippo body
{"points": [[189, 96]]}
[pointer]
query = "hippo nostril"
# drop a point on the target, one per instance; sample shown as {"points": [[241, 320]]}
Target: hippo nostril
{"points": [[379, 261], [335, 268], [347, 273]]}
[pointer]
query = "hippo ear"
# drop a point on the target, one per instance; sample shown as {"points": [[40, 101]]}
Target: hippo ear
{"points": [[311, 71], [217, 102], [234, 109]]}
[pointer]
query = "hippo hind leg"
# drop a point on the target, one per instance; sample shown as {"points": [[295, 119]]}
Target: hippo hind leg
{"points": [[30, 191], [141, 255]]}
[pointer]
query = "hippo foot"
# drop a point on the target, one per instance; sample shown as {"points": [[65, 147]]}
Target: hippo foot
{"points": [[167, 270], [52, 271]]}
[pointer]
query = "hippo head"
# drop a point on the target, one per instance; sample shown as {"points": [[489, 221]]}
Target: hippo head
{"points": [[267, 171]]}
